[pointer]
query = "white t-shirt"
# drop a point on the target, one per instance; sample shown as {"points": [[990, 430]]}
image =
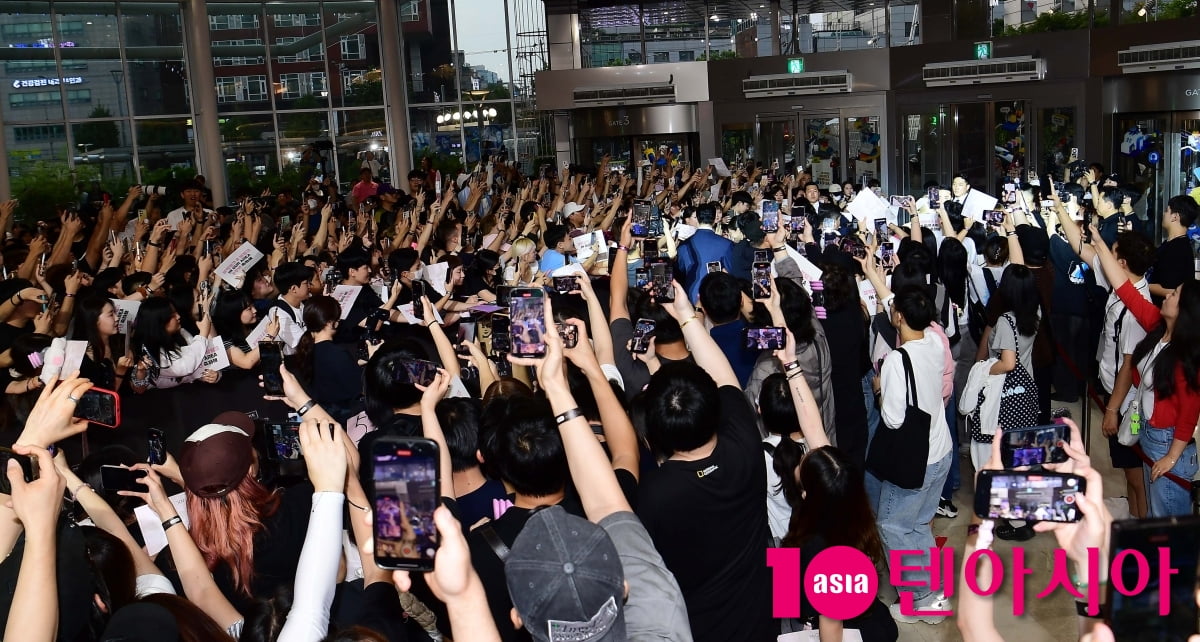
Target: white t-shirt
{"points": [[928, 361], [779, 511], [1131, 331]]}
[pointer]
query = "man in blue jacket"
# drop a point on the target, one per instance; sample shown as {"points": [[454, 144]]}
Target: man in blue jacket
{"points": [[702, 248]]}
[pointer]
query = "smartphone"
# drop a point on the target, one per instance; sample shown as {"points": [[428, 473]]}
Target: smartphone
{"points": [[901, 201], [501, 340], [502, 294], [934, 194], [642, 332], [28, 463], [1040, 496], [1137, 617], [661, 275], [418, 292], [121, 478], [649, 249], [796, 224], [641, 278], [1010, 193], [156, 447], [1034, 446], [881, 228], [414, 371], [284, 438], [641, 219], [1074, 153], [764, 338], [566, 284], [569, 335], [405, 492], [270, 361], [761, 281], [994, 218], [527, 318], [99, 406], [762, 256], [770, 216], [714, 266], [887, 251]]}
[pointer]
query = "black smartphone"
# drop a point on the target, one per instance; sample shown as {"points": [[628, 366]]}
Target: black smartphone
{"points": [[99, 406], [714, 266], [502, 294], [283, 440], [641, 278], [120, 478], [405, 492], [642, 332], [270, 361], [156, 447], [762, 256], [934, 194], [1137, 617], [503, 365], [566, 284], [1034, 446], [28, 463], [881, 228], [994, 218], [761, 281], [527, 318], [764, 338], [418, 292], [1040, 496], [118, 345], [414, 371], [770, 216], [649, 249], [569, 334], [501, 339], [886, 251], [796, 224], [640, 226], [661, 277]]}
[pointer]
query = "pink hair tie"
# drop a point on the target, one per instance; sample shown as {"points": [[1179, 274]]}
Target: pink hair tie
{"points": [[35, 359]]}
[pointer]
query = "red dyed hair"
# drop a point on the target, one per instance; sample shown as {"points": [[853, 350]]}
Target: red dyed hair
{"points": [[224, 527]]}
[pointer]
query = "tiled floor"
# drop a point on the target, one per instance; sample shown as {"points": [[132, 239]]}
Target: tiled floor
{"points": [[1052, 618]]}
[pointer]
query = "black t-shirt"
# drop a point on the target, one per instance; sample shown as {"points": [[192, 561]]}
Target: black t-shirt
{"points": [[708, 519], [10, 332], [276, 549], [490, 567], [1174, 264], [478, 503], [876, 625], [348, 330], [474, 284]]}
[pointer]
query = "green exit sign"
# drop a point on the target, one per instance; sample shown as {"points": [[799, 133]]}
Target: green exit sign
{"points": [[795, 65], [983, 50]]}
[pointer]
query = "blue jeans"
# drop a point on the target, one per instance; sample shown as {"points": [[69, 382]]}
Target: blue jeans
{"points": [[954, 479], [903, 517], [1166, 497], [873, 417]]}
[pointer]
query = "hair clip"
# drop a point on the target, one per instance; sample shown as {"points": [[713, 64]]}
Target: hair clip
{"points": [[35, 359]]}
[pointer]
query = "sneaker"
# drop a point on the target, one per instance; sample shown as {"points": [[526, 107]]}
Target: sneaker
{"points": [[946, 508], [1006, 531], [940, 603]]}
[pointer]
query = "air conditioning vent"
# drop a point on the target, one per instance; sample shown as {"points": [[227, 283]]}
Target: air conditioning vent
{"points": [[981, 72], [624, 95], [808, 83], [1169, 56]]}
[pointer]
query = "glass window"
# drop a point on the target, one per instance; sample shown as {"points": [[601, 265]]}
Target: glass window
{"points": [[662, 56], [687, 56], [292, 86], [905, 28], [298, 52], [165, 144], [1010, 141], [606, 33], [862, 149], [241, 89], [1057, 138], [410, 11], [362, 132], [354, 47]]}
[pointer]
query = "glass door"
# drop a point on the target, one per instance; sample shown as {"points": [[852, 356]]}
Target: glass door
{"points": [[822, 147], [862, 149], [776, 141], [972, 145], [927, 145], [1144, 158], [1011, 137]]}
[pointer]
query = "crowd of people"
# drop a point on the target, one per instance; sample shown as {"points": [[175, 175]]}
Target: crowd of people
{"points": [[615, 455]]}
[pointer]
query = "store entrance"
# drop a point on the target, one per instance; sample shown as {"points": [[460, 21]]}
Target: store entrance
{"points": [[627, 152], [1157, 153], [837, 146]]}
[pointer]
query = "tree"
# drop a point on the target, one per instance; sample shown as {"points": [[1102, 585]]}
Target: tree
{"points": [[303, 125], [98, 135], [365, 92]]}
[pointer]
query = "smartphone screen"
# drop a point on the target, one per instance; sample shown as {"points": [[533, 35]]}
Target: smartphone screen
{"points": [[761, 281], [405, 492], [566, 284], [1034, 446], [1137, 617], [502, 294], [527, 316], [121, 478], [770, 216], [99, 407], [762, 256], [569, 335], [271, 359], [661, 275], [1043, 496], [714, 266], [285, 441], [995, 218], [418, 293], [934, 195], [28, 463], [641, 220], [156, 447], [501, 340], [415, 371], [881, 228], [642, 332], [765, 338], [641, 278], [649, 249], [886, 251]]}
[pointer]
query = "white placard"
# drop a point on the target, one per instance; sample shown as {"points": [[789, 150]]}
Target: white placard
{"points": [[867, 206], [683, 231], [289, 331], [233, 269], [584, 242], [126, 314], [976, 203], [407, 311], [73, 356], [151, 524], [719, 165], [822, 174], [346, 295], [435, 276], [215, 356]]}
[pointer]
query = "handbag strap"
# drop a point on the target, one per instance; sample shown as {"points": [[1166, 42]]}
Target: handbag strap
{"points": [[1016, 335], [910, 398]]}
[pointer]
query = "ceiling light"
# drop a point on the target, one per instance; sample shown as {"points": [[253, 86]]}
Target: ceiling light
{"points": [[1142, 11], [714, 17]]}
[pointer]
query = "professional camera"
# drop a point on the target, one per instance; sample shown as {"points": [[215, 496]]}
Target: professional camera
{"points": [[154, 190]]}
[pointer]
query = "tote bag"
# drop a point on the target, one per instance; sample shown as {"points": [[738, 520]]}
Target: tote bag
{"points": [[899, 456], [1019, 407]]}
